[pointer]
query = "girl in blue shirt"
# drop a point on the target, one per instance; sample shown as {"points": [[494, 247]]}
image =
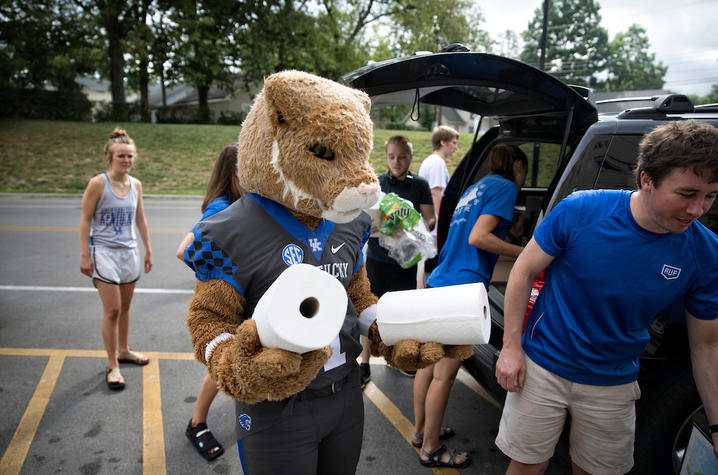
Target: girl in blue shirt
{"points": [[478, 227], [223, 189]]}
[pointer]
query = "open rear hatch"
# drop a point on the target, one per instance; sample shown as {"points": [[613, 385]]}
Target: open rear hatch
{"points": [[484, 84]]}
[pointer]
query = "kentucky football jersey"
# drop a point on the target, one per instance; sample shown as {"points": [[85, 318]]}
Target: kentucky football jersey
{"points": [[255, 239]]}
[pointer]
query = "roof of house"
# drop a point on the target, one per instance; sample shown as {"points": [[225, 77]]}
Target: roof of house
{"points": [[184, 94], [451, 115]]}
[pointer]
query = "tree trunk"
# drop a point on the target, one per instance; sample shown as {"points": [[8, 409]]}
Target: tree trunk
{"points": [[144, 91], [114, 31], [202, 97]]}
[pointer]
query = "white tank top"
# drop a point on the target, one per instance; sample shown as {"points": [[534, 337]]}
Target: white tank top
{"points": [[113, 224]]}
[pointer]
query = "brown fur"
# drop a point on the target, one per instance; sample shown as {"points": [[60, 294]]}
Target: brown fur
{"points": [[305, 144]]}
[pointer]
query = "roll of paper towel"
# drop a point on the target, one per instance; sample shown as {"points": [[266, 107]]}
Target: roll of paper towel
{"points": [[454, 315], [303, 310]]}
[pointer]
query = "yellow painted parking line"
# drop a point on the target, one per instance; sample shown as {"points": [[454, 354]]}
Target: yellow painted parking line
{"points": [[16, 452], [397, 419], [71, 229], [153, 443], [153, 439], [465, 378], [168, 355]]}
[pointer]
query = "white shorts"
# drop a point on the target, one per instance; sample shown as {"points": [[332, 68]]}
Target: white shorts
{"points": [[115, 265], [603, 420]]}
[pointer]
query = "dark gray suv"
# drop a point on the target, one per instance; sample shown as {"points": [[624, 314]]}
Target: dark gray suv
{"points": [[575, 148]]}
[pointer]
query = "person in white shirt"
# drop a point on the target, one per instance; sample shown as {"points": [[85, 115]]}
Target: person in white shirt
{"points": [[444, 140]]}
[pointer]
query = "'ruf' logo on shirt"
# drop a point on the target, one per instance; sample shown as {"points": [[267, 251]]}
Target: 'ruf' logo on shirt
{"points": [[316, 244], [245, 421], [670, 272], [292, 254]]}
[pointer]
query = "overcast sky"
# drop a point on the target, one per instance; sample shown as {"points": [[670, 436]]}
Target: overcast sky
{"points": [[683, 33]]}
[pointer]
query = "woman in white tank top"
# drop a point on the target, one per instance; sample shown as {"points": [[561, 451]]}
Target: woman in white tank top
{"points": [[111, 208]]}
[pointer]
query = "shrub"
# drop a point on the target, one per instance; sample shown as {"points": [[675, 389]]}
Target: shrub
{"points": [[230, 118], [42, 104], [181, 115]]}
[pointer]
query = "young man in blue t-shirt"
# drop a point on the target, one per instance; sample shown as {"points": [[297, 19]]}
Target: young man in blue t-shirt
{"points": [[616, 259]]}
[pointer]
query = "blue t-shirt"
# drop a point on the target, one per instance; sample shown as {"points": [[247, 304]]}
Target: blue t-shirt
{"points": [[609, 279], [459, 261], [215, 206]]}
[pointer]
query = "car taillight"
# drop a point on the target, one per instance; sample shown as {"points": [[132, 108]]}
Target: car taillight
{"points": [[535, 290]]}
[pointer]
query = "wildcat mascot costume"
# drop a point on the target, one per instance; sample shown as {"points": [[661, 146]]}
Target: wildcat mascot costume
{"points": [[304, 161]]}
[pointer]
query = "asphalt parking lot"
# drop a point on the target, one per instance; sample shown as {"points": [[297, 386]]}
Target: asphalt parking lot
{"points": [[59, 416]]}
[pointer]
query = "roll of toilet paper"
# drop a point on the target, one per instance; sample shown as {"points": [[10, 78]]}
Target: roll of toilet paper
{"points": [[454, 315], [303, 310]]}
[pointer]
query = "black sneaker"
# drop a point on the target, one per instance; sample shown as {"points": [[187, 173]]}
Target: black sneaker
{"points": [[409, 373], [365, 372]]}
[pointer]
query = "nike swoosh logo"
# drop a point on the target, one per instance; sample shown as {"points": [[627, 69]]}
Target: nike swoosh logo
{"points": [[335, 249]]}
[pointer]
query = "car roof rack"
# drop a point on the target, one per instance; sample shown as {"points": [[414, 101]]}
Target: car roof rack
{"points": [[706, 108], [660, 107]]}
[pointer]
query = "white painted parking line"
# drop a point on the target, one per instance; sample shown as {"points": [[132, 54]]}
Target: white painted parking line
{"points": [[138, 290]]}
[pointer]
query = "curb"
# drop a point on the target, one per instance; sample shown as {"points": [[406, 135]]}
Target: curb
{"points": [[74, 196]]}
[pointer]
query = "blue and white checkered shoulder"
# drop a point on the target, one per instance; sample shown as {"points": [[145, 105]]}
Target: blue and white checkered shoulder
{"points": [[208, 261]]}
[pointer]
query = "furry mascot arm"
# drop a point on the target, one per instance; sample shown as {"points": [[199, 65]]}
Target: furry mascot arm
{"points": [[406, 354], [237, 361]]}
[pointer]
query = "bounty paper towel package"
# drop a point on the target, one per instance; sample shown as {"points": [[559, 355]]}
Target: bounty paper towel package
{"points": [[303, 310], [454, 315]]}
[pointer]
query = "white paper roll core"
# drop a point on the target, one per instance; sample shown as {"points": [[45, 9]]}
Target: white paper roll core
{"points": [[303, 310], [454, 315]]}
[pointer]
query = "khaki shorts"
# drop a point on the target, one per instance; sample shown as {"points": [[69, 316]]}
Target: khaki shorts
{"points": [[603, 420], [115, 265]]}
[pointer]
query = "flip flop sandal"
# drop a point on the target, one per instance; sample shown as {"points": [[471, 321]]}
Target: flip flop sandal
{"points": [[133, 357], [114, 379], [446, 433], [434, 458], [204, 441]]}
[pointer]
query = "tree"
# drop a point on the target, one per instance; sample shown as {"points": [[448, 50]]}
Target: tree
{"points": [[711, 98], [278, 35], [576, 44], [114, 20], [44, 43], [432, 24], [631, 66], [325, 37], [205, 48], [140, 41], [508, 44]]}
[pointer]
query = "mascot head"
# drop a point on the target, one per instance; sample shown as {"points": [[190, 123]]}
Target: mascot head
{"points": [[305, 144]]}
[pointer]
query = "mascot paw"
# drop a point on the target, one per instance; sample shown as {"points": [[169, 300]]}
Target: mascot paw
{"points": [[248, 339], [458, 352], [431, 352], [247, 371], [285, 385], [277, 363]]}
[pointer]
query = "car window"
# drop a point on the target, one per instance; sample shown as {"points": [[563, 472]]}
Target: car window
{"points": [[617, 169], [547, 164], [710, 219], [585, 171]]}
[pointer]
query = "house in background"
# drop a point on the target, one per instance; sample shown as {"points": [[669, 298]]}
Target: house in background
{"points": [[462, 121], [98, 92], [182, 100]]}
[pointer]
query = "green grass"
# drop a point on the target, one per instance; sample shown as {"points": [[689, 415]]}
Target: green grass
{"points": [[39, 156]]}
